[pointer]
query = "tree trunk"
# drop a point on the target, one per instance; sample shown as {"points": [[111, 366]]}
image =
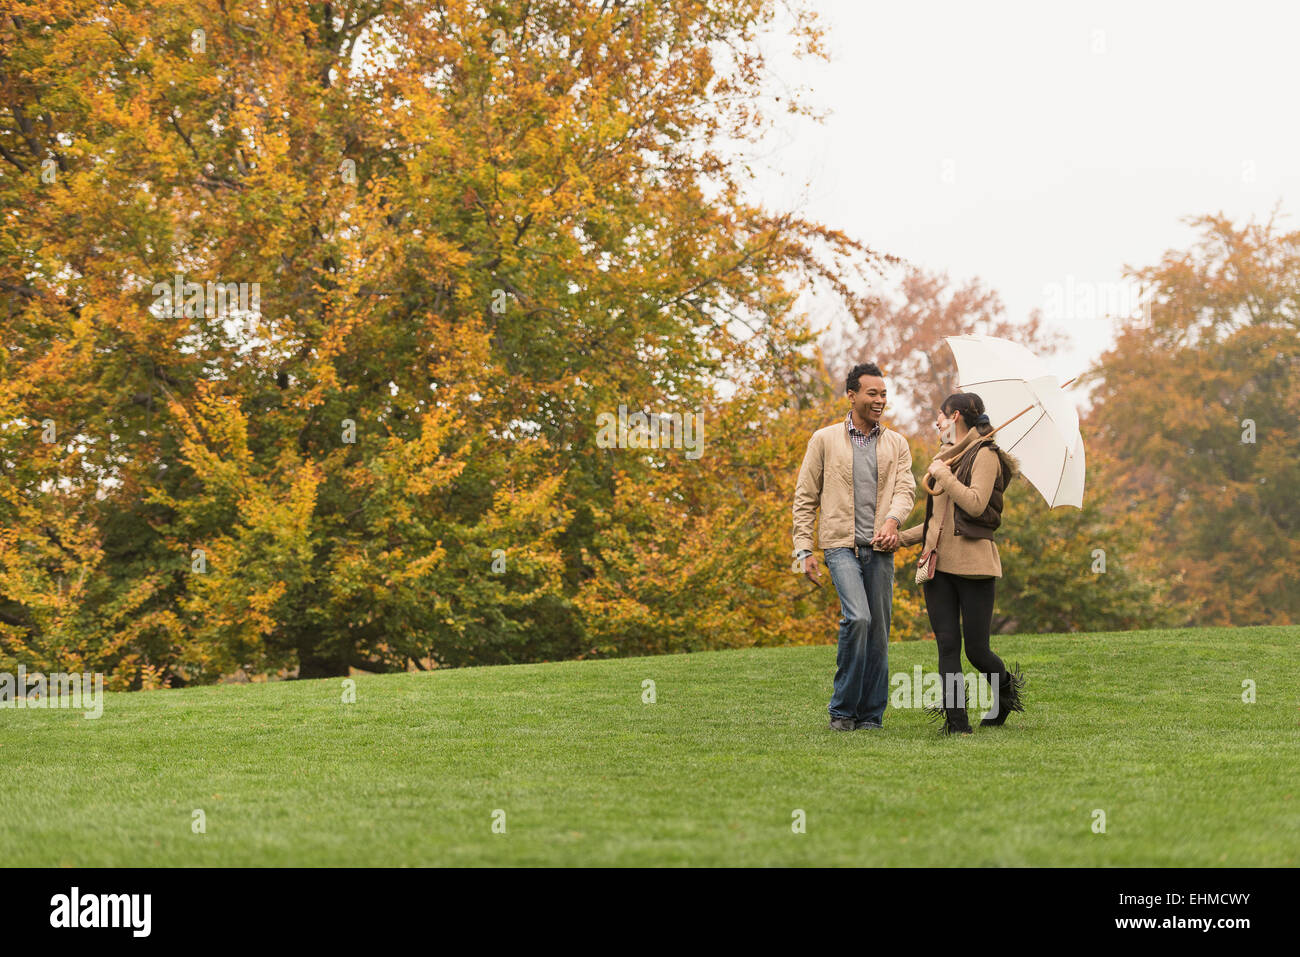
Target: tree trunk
{"points": [[317, 666]]}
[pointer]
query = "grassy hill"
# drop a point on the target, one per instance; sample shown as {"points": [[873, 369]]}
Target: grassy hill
{"points": [[1148, 726]]}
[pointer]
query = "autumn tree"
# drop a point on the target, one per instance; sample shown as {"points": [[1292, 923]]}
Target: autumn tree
{"points": [[904, 334], [467, 229], [1198, 401]]}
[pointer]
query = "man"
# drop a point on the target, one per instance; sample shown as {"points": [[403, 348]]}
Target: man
{"points": [[860, 475]]}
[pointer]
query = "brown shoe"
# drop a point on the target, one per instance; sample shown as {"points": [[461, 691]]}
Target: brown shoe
{"points": [[842, 724]]}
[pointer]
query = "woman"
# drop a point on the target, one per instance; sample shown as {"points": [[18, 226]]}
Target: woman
{"points": [[965, 483]]}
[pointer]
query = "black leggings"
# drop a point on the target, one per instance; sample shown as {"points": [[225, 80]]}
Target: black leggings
{"points": [[945, 597]]}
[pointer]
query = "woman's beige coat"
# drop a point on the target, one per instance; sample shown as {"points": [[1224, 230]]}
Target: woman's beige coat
{"points": [[959, 555]]}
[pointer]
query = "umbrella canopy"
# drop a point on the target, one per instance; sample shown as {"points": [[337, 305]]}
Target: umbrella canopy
{"points": [[1036, 421]]}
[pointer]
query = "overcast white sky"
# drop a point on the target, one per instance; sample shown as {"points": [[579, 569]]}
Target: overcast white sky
{"points": [[1033, 144]]}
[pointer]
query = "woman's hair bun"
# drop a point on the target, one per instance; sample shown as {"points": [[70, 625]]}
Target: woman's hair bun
{"points": [[969, 406]]}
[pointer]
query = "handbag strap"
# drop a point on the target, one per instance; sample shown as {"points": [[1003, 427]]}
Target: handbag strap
{"points": [[925, 528], [939, 534], [949, 455]]}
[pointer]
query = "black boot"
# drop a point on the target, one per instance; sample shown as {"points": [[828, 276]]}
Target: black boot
{"points": [[956, 722], [954, 718], [1010, 697]]}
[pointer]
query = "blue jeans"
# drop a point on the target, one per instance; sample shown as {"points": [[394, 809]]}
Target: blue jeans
{"points": [[865, 583]]}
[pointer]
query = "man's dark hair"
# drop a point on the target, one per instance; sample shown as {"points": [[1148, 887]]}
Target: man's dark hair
{"points": [[858, 371]]}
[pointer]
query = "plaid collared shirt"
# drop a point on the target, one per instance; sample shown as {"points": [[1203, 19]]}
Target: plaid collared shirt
{"points": [[856, 435]]}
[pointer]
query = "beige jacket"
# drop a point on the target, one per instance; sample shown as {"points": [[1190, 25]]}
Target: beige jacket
{"points": [[826, 480], [958, 555]]}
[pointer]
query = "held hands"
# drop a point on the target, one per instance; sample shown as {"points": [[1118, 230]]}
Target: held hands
{"points": [[887, 540]]}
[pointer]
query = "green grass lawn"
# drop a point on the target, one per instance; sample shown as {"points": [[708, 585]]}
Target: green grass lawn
{"points": [[1148, 726]]}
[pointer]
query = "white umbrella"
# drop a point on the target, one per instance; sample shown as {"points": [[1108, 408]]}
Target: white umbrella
{"points": [[1040, 425]]}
